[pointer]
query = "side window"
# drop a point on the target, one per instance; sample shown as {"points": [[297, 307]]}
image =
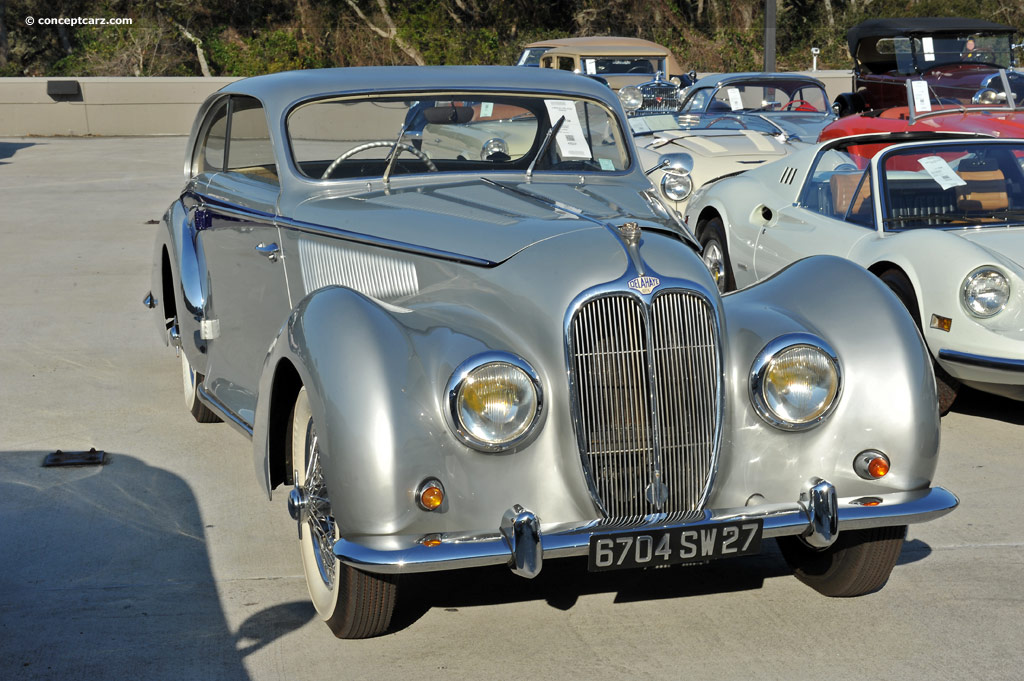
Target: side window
{"points": [[547, 62], [209, 153], [566, 63], [851, 197], [250, 151]]}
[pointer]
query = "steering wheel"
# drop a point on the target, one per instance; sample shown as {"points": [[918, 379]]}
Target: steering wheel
{"points": [[729, 118], [401, 146], [802, 105]]}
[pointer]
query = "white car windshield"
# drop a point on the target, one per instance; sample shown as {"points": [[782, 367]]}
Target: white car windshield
{"points": [[953, 185], [354, 137]]}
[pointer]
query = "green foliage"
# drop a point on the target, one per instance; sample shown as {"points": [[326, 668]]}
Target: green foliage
{"points": [[261, 36]]}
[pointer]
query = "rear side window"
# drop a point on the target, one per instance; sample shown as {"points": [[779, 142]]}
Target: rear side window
{"points": [[250, 151], [236, 139]]}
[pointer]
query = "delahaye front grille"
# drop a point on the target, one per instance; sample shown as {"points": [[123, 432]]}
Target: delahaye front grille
{"points": [[645, 384]]}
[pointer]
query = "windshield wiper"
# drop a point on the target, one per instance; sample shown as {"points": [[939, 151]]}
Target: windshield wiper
{"points": [[394, 152], [544, 147]]}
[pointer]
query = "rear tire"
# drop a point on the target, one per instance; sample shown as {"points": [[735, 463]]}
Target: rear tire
{"points": [[190, 381], [353, 603], [715, 254], [946, 386], [859, 562]]}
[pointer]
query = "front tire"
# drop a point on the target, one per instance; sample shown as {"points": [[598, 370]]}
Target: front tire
{"points": [[353, 603], [946, 386], [859, 562], [715, 254]]}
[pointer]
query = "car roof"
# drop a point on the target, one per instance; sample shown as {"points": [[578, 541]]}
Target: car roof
{"points": [[726, 78], [279, 91], [593, 41], [887, 28]]}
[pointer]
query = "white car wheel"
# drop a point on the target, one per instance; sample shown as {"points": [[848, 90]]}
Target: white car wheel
{"points": [[354, 604]]}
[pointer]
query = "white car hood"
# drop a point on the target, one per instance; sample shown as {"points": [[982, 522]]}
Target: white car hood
{"points": [[719, 143], [1007, 243]]}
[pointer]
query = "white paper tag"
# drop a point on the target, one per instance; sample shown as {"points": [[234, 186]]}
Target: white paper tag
{"points": [[486, 109], [571, 141], [928, 47], [590, 66], [638, 124], [735, 100], [941, 172], [922, 102]]}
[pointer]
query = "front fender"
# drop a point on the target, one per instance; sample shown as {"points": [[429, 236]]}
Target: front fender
{"points": [[887, 403], [186, 283]]}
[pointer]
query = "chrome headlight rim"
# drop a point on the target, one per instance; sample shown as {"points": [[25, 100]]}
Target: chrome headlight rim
{"points": [[674, 176], [453, 392], [763, 361], [632, 98], [965, 291]]}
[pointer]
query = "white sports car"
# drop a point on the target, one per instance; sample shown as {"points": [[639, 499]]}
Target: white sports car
{"points": [[938, 218]]}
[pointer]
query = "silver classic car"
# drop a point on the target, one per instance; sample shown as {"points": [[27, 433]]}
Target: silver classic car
{"points": [[461, 329]]}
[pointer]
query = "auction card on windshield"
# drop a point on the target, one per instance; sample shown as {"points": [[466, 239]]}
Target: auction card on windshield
{"points": [[941, 172], [572, 143]]}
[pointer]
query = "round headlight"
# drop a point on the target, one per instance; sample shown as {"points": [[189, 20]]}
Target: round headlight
{"points": [[494, 400], [676, 186], [631, 98], [985, 292], [495, 149], [795, 382]]}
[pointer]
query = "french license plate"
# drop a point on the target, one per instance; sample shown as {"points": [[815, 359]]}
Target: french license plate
{"points": [[697, 544]]}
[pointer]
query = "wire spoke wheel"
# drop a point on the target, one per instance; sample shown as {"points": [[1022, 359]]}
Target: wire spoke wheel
{"points": [[353, 603]]}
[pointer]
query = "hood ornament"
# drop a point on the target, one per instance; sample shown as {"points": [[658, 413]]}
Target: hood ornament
{"points": [[630, 231]]}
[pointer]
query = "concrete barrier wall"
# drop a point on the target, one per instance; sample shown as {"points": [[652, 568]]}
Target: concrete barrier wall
{"points": [[144, 106]]}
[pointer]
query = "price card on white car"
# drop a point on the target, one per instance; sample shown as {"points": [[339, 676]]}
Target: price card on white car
{"points": [[941, 172], [572, 143]]}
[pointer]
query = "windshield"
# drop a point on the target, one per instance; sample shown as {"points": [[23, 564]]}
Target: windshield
{"points": [[597, 66], [793, 96], [953, 185], [453, 132], [531, 56], [986, 49]]}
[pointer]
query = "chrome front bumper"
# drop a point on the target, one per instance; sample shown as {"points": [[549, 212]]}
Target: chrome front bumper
{"points": [[818, 516]]}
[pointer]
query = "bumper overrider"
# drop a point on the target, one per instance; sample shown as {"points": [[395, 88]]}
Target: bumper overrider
{"points": [[818, 517]]}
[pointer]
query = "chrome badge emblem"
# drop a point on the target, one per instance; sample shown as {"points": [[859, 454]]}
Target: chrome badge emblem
{"points": [[644, 284]]}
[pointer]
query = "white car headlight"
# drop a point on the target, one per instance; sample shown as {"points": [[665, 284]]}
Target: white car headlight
{"points": [[676, 186], [494, 401], [631, 98], [795, 382], [985, 292]]}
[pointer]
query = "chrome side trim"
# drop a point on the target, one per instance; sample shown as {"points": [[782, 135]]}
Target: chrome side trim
{"points": [[407, 554], [982, 361], [226, 414]]}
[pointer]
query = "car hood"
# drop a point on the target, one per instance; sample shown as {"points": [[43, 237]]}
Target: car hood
{"points": [[482, 220], [717, 143], [1005, 243], [803, 127]]}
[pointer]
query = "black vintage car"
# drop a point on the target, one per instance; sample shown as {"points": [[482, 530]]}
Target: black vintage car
{"points": [[959, 58]]}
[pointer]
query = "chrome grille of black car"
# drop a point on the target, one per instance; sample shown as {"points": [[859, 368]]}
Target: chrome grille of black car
{"points": [[645, 384], [660, 97]]}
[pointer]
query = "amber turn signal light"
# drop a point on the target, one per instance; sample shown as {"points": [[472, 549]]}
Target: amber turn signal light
{"points": [[430, 494], [871, 464]]}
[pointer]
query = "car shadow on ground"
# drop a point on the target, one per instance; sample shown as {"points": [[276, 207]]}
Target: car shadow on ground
{"points": [[9, 149], [976, 403], [562, 582], [105, 575]]}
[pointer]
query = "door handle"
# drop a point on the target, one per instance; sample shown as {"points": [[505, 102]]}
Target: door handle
{"points": [[269, 250]]}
